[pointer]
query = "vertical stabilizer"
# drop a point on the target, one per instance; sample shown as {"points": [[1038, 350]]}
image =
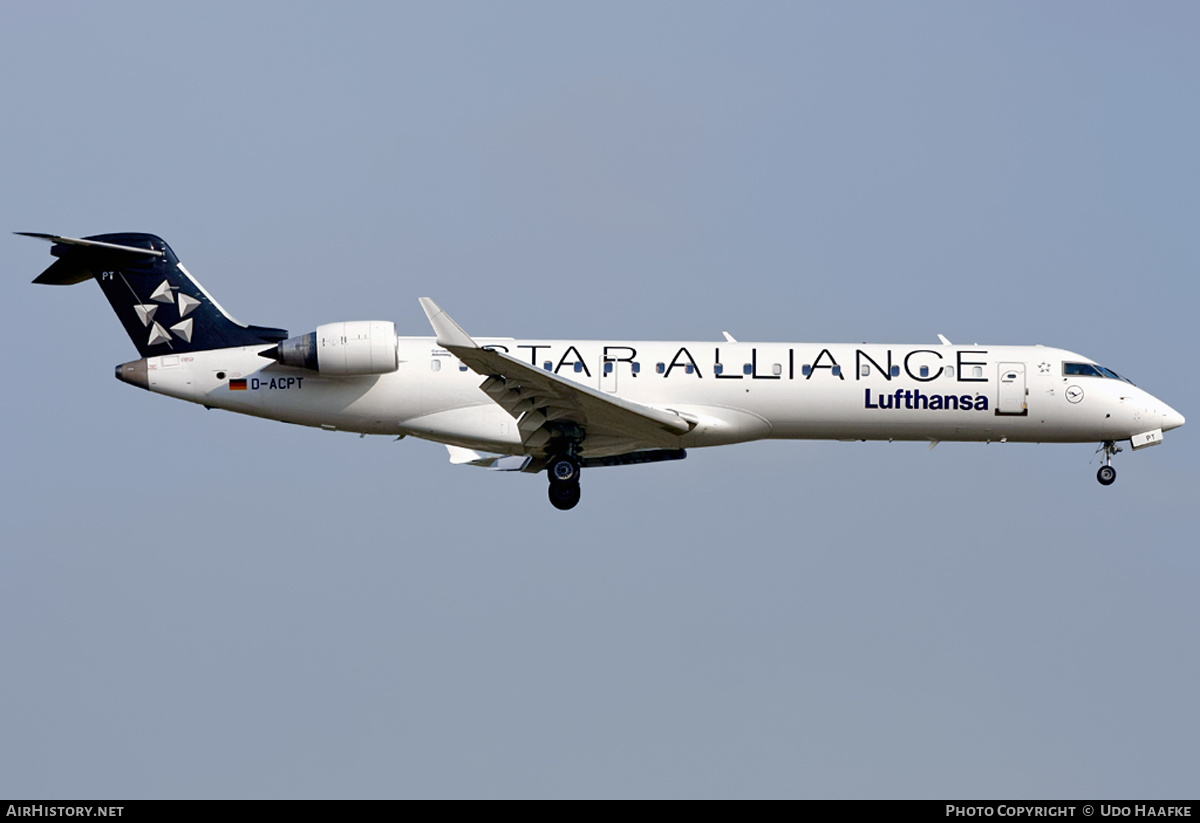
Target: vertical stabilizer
{"points": [[162, 307]]}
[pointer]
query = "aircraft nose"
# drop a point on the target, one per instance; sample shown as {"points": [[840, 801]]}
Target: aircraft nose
{"points": [[1171, 419]]}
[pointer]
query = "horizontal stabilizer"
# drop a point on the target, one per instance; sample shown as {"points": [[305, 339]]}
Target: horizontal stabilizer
{"points": [[95, 244], [70, 269]]}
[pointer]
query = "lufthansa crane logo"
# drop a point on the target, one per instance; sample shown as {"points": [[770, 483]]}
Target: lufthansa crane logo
{"points": [[1074, 394]]}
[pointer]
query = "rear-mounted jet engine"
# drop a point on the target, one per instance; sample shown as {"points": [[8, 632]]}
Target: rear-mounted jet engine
{"points": [[356, 347]]}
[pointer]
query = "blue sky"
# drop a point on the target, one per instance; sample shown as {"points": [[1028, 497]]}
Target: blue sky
{"points": [[194, 604]]}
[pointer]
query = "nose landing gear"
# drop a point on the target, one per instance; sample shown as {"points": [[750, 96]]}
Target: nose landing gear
{"points": [[1107, 475]]}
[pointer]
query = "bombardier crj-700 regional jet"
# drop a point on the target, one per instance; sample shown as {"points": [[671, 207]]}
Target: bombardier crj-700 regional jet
{"points": [[568, 405]]}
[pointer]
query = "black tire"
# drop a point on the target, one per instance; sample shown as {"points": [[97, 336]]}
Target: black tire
{"points": [[563, 469], [1107, 475], [564, 496]]}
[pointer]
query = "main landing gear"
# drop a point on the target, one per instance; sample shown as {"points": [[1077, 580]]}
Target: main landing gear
{"points": [[1107, 475], [563, 470]]}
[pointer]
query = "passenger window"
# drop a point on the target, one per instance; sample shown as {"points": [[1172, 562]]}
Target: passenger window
{"points": [[977, 371], [462, 366], [608, 368], [837, 371], [578, 367], [895, 371], [777, 369], [690, 368], [660, 368], [924, 371], [548, 366], [718, 369], [435, 365], [806, 370], [637, 367], [864, 370], [748, 369]]}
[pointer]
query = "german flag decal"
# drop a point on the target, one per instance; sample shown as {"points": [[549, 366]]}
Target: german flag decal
{"points": [[237, 385]]}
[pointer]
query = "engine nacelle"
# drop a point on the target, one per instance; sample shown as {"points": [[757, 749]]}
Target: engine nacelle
{"points": [[355, 347]]}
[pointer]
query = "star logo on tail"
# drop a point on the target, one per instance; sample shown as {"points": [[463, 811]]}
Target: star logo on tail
{"points": [[163, 296]]}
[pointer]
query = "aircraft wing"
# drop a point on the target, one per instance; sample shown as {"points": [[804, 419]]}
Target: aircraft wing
{"points": [[540, 400]]}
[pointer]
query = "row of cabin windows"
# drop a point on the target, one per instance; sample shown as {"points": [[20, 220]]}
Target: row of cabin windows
{"points": [[806, 370], [436, 365], [923, 371], [748, 368]]}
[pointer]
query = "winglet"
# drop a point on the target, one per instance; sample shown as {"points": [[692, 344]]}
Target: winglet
{"points": [[945, 342], [448, 332]]}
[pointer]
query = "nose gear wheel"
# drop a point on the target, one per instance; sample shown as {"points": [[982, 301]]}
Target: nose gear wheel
{"points": [[1107, 475]]}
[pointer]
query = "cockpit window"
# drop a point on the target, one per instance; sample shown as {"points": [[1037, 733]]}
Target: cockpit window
{"points": [[1092, 370], [1081, 369], [1114, 375]]}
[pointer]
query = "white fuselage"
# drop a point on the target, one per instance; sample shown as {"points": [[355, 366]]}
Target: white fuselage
{"points": [[733, 392]]}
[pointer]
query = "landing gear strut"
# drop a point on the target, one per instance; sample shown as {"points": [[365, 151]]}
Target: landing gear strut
{"points": [[563, 470], [1107, 475]]}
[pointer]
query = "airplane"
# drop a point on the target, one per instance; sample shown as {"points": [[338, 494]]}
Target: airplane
{"points": [[567, 405]]}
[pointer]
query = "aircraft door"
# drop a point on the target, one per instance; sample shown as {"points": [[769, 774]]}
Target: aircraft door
{"points": [[608, 374], [1012, 399]]}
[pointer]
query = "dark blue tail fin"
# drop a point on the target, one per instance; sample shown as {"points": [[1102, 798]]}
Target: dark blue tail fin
{"points": [[164, 310]]}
